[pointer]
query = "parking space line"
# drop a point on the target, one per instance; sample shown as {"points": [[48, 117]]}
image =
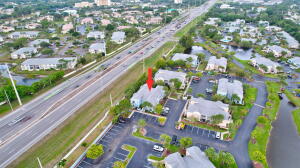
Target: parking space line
{"points": [[208, 133], [118, 158], [197, 131], [122, 154], [86, 162], [117, 126]]}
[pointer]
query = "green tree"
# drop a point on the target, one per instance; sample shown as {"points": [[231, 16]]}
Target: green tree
{"points": [[161, 120], [146, 104], [262, 120], [258, 156], [165, 139], [235, 98], [141, 123], [185, 142], [95, 151], [110, 27], [47, 51], [120, 164], [158, 109], [186, 41]]}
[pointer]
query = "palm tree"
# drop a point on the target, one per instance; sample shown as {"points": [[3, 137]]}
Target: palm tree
{"points": [[141, 124], [185, 142], [166, 139]]}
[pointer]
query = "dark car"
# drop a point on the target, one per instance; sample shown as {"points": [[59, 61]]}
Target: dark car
{"points": [[280, 95], [122, 120], [174, 140]]}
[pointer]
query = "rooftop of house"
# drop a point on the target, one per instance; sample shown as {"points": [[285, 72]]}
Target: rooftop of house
{"points": [[208, 108], [292, 42], [265, 61], [180, 56], [98, 46], [24, 50], [118, 35], [43, 61], [215, 61], [168, 75], [230, 87], [153, 96], [277, 48], [38, 42], [194, 158]]}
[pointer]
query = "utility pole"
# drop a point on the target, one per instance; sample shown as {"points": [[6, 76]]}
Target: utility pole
{"points": [[8, 101], [40, 164], [14, 86]]}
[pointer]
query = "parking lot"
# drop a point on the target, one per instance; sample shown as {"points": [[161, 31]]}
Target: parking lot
{"points": [[196, 131], [201, 86]]}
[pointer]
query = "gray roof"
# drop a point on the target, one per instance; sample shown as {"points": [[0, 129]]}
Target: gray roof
{"points": [[116, 36], [295, 60], [194, 158], [184, 57], [168, 75], [208, 108], [265, 61], [24, 50], [292, 42], [153, 96], [220, 62], [38, 42], [95, 33], [43, 61], [278, 48], [35, 33], [230, 88], [98, 46]]}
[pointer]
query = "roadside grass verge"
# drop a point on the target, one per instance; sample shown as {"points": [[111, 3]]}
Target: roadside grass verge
{"points": [[292, 98], [139, 135], [296, 117], [189, 26], [260, 135], [54, 146]]}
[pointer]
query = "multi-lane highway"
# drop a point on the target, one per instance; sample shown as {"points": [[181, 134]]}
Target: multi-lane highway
{"points": [[30, 123]]}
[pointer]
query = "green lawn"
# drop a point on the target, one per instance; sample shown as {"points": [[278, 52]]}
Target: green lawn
{"points": [[139, 135], [188, 27], [66, 135], [292, 98], [173, 148], [260, 135], [152, 157], [296, 117]]}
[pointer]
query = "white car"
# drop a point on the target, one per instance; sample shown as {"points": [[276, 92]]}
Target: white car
{"points": [[218, 135], [158, 148]]}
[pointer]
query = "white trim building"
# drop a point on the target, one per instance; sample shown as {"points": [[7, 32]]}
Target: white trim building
{"points": [[36, 64]]}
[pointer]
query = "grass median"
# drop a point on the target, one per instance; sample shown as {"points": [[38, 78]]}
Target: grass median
{"points": [[296, 113], [260, 135], [55, 145]]}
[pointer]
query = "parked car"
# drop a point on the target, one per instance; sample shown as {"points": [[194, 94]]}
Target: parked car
{"points": [[210, 91], [158, 148], [218, 135], [174, 140], [280, 95], [122, 120]]}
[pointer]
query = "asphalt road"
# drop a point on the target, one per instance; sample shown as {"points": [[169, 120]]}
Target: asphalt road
{"points": [[30, 123]]}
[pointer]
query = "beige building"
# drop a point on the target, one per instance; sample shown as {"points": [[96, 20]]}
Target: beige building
{"points": [[103, 2]]}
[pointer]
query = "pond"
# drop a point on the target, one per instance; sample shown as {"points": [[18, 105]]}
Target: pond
{"points": [[240, 53], [284, 145], [20, 80]]}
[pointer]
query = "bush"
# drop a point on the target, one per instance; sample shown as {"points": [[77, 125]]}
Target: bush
{"points": [[95, 151]]}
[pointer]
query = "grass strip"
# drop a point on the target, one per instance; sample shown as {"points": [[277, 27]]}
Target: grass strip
{"points": [[64, 137], [292, 98], [296, 117], [139, 135], [156, 158], [260, 135], [131, 150]]}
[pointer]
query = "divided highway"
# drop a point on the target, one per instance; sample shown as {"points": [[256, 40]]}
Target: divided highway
{"points": [[24, 127]]}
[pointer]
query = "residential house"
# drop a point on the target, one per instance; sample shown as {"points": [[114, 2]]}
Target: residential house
{"points": [[98, 48], [202, 110], [118, 37], [103, 2], [216, 64], [145, 95], [6, 29], [228, 88], [226, 6], [32, 26], [36, 43], [177, 1], [71, 12], [189, 58], [291, 41], [273, 28], [1, 39], [36, 64], [96, 35], [67, 27], [47, 17], [25, 34], [212, 21], [265, 65], [278, 51], [87, 20], [154, 20], [105, 22], [263, 23], [194, 158], [25, 52], [83, 5], [295, 61], [166, 76]]}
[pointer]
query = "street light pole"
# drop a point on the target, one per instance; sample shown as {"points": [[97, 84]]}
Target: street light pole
{"points": [[14, 86], [8, 101]]}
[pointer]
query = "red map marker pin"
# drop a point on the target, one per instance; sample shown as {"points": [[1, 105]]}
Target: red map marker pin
{"points": [[150, 80]]}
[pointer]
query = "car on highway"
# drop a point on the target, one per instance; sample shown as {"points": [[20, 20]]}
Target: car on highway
{"points": [[158, 148]]}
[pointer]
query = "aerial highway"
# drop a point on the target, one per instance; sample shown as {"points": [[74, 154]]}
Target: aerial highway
{"points": [[24, 127]]}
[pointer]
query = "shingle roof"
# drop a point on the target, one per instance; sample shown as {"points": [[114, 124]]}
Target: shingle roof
{"points": [[153, 96], [208, 108], [265, 61], [98, 46], [180, 56], [38, 42], [24, 50], [43, 61], [168, 75], [220, 62], [230, 88], [116, 36]]}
